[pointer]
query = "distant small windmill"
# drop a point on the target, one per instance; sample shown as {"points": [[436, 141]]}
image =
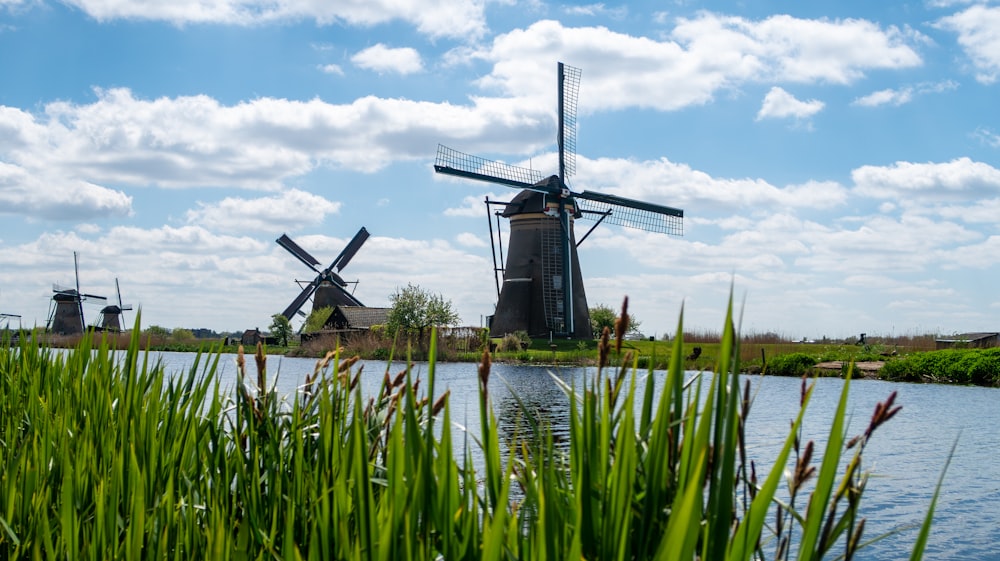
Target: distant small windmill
{"points": [[66, 310], [112, 318], [328, 289], [543, 290]]}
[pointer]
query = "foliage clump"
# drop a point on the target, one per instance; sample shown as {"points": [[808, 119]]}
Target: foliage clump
{"points": [[792, 364], [414, 309], [958, 366], [316, 320]]}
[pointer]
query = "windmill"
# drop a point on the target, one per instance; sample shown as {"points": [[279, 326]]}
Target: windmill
{"points": [[111, 315], [66, 311], [543, 290], [328, 289]]}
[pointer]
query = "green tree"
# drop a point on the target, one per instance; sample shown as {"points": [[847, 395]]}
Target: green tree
{"points": [[157, 331], [280, 329], [602, 316], [415, 309], [181, 334], [317, 319]]}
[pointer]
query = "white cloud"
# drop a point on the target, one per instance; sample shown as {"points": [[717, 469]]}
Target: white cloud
{"points": [[195, 141], [779, 104], [53, 197], [988, 137], [959, 179], [468, 239], [978, 29], [595, 10], [475, 205], [331, 69], [701, 56], [291, 210], [903, 95], [447, 18], [382, 59], [678, 185], [885, 97]]}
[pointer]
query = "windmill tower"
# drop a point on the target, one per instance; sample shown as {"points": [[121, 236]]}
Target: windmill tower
{"points": [[328, 289], [111, 315], [66, 310], [542, 290]]}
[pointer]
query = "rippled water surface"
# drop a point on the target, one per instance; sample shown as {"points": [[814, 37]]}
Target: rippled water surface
{"points": [[906, 455]]}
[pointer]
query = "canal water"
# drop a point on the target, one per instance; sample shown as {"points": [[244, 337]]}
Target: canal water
{"points": [[906, 455]]}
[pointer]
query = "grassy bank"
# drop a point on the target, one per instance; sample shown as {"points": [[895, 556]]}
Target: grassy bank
{"points": [[106, 456]]}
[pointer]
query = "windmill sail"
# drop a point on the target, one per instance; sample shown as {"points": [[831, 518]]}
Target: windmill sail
{"points": [[327, 289]]}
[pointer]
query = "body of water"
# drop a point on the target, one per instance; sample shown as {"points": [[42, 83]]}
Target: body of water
{"points": [[905, 456]]}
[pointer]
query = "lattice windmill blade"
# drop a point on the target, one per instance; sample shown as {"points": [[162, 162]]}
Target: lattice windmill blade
{"points": [[453, 162], [631, 213], [569, 88], [350, 250], [299, 253]]}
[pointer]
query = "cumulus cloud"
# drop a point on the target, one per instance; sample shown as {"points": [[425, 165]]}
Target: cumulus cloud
{"points": [[291, 210], [475, 205], [700, 57], [57, 198], [779, 104], [978, 29], [195, 141], [678, 185], [961, 178], [468, 239], [448, 18], [383, 59]]}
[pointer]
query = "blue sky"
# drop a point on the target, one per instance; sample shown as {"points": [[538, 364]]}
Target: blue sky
{"points": [[838, 162]]}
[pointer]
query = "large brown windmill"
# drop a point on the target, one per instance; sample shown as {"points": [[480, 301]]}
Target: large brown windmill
{"points": [[542, 290]]}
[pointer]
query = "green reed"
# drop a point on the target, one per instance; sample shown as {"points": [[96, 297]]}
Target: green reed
{"points": [[104, 455]]}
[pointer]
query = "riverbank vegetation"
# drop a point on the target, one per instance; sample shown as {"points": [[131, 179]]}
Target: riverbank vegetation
{"points": [[105, 455]]}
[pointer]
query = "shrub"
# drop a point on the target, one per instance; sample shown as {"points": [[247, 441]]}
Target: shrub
{"points": [[793, 364]]}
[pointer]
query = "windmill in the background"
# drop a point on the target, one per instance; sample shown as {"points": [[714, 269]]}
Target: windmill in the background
{"points": [[111, 315], [543, 288], [66, 310], [328, 289]]}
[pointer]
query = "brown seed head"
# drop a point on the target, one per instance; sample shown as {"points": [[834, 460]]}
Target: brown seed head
{"points": [[621, 326], [484, 369]]}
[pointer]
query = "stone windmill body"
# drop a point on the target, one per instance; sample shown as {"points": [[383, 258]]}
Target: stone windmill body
{"points": [[542, 291]]}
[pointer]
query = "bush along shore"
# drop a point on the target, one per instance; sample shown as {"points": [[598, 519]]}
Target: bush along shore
{"points": [[105, 456]]}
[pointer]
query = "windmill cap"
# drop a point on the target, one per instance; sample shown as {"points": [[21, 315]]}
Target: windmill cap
{"points": [[529, 202]]}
